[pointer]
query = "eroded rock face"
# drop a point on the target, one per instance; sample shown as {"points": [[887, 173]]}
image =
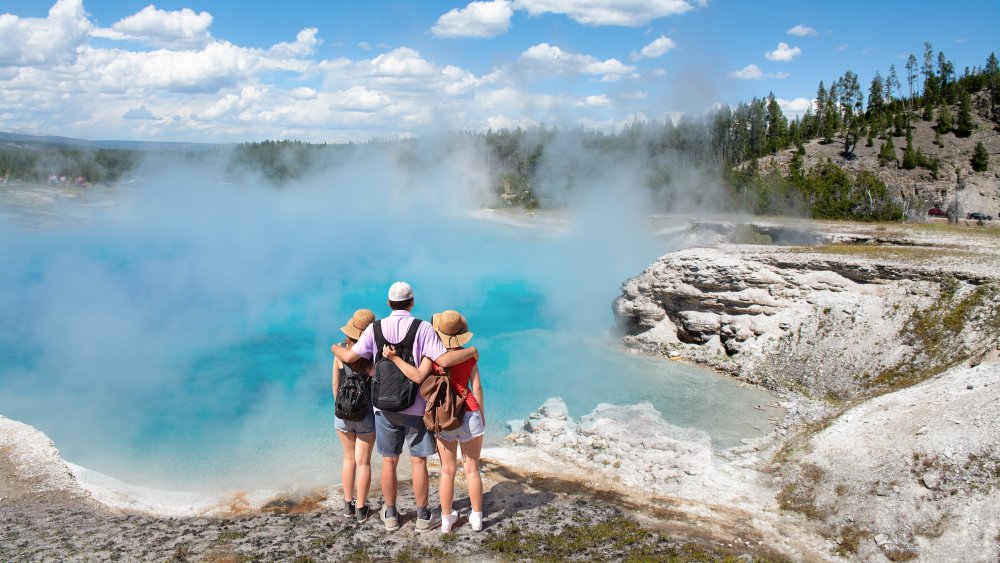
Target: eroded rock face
{"points": [[630, 444], [30, 465], [911, 473], [818, 323]]}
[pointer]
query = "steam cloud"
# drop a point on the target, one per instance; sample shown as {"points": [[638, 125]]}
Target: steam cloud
{"points": [[131, 334]]}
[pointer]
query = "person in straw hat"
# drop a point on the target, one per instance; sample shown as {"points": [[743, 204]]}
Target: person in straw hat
{"points": [[393, 430], [454, 332], [356, 436]]}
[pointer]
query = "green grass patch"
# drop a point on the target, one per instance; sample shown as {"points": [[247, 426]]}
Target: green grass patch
{"points": [[849, 539], [956, 228], [907, 253], [800, 494], [619, 538], [230, 535], [937, 330]]}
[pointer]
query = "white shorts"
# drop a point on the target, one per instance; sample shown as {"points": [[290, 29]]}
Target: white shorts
{"points": [[472, 427]]}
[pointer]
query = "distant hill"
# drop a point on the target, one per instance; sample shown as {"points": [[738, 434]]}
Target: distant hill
{"points": [[51, 140], [955, 183]]}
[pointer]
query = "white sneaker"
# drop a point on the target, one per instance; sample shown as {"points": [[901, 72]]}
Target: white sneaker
{"points": [[448, 520], [476, 520]]}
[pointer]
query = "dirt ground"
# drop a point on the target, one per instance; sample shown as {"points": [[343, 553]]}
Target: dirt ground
{"points": [[527, 517]]}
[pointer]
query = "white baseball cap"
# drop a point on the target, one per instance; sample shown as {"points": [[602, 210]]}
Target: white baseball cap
{"points": [[400, 291]]}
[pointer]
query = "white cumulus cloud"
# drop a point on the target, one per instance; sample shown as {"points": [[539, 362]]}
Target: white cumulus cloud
{"points": [[478, 19], [630, 13], [594, 101], [549, 59], [657, 48], [304, 45], [783, 53], [797, 106], [303, 93], [180, 29], [753, 72], [749, 72], [44, 41], [802, 30], [358, 98]]}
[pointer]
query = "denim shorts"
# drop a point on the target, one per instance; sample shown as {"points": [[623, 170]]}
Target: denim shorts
{"points": [[364, 426], [392, 429], [472, 426]]}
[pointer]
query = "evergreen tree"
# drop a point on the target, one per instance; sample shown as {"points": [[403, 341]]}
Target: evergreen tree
{"points": [[992, 72], [909, 156], [891, 85], [944, 123], [911, 75], [928, 68], [795, 166], [821, 111], [876, 95], [980, 158], [758, 127], [899, 123], [876, 104], [795, 132], [963, 127], [777, 126], [851, 110], [887, 153]]}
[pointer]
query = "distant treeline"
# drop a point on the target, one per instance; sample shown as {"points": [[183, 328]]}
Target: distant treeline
{"points": [[721, 145], [36, 162]]}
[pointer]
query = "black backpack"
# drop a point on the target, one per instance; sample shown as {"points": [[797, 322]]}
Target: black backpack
{"points": [[353, 401], [391, 390]]}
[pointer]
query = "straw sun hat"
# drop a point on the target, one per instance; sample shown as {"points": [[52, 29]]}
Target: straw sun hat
{"points": [[452, 328], [358, 323]]}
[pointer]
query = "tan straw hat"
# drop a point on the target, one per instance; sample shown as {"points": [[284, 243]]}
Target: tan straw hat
{"points": [[358, 323], [452, 328]]}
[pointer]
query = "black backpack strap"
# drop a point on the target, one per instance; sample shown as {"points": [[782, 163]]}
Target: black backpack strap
{"points": [[379, 339], [411, 334]]}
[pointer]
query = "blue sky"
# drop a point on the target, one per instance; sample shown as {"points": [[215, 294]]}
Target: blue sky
{"points": [[230, 71]]}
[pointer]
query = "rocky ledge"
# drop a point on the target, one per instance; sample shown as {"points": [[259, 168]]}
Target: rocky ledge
{"points": [[885, 342], [839, 319]]}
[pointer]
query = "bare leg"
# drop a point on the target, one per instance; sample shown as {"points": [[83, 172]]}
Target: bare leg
{"points": [[347, 470], [420, 480], [446, 488], [363, 462], [389, 479], [470, 458]]}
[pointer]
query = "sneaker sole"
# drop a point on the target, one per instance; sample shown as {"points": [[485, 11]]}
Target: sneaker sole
{"points": [[429, 525], [391, 524]]}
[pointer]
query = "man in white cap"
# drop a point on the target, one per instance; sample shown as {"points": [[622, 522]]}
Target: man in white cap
{"points": [[392, 429]]}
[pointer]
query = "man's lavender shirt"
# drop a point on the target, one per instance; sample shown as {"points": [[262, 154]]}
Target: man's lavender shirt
{"points": [[394, 328]]}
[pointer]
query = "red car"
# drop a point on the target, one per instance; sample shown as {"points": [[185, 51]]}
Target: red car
{"points": [[936, 212]]}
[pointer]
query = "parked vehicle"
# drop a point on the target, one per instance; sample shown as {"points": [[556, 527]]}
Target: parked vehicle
{"points": [[980, 216], [937, 212]]}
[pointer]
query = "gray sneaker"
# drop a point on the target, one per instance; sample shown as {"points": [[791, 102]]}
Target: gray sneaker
{"points": [[348, 508], [391, 522], [425, 524], [361, 512]]}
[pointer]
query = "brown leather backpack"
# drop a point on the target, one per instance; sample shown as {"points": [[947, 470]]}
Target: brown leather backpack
{"points": [[445, 407]]}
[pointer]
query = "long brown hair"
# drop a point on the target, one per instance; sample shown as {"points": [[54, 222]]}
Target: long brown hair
{"points": [[361, 365]]}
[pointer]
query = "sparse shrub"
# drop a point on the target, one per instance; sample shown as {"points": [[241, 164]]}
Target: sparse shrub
{"points": [[887, 153], [980, 158]]}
